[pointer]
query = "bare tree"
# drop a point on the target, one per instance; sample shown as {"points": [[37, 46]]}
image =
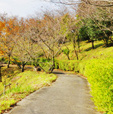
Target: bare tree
{"points": [[25, 48], [100, 3], [50, 36]]}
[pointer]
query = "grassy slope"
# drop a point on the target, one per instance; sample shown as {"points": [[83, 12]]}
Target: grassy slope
{"points": [[88, 53], [22, 84]]}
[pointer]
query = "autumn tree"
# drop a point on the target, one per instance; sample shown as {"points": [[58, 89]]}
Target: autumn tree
{"points": [[2, 25], [22, 48], [8, 35], [27, 50], [21, 52]]}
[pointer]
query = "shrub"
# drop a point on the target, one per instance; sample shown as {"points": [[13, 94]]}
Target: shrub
{"points": [[100, 76], [81, 67], [67, 65]]}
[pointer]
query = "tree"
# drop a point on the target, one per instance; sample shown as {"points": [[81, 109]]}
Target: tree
{"points": [[24, 46], [0, 72], [72, 27], [101, 17], [100, 12], [99, 3], [50, 36], [8, 35], [2, 25], [21, 51], [92, 31]]}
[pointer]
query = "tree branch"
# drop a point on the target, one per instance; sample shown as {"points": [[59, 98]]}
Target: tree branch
{"points": [[87, 2]]}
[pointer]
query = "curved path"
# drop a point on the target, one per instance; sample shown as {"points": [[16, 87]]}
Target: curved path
{"points": [[68, 95]]}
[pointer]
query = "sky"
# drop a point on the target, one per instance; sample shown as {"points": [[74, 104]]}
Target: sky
{"points": [[25, 8]]}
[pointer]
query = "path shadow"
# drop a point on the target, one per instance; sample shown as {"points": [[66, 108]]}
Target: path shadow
{"points": [[57, 72], [29, 67]]}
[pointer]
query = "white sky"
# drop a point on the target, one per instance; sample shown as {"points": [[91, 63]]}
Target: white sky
{"points": [[24, 8]]}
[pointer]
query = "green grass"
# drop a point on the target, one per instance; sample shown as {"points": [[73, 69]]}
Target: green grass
{"points": [[22, 84]]}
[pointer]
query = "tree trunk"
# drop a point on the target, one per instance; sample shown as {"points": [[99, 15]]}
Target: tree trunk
{"points": [[23, 66], [68, 57], [92, 44], [52, 68], [0, 75], [106, 42], [19, 66], [76, 53], [8, 61], [78, 44], [53, 65]]}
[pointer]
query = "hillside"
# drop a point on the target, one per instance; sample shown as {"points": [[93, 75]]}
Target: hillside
{"points": [[86, 51], [16, 85]]}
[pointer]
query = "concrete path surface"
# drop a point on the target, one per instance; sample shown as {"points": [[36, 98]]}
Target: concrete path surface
{"points": [[68, 95]]}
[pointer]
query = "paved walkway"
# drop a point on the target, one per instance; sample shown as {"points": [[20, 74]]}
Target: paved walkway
{"points": [[68, 95]]}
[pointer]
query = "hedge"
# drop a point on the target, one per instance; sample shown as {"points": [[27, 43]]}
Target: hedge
{"points": [[67, 65], [100, 76]]}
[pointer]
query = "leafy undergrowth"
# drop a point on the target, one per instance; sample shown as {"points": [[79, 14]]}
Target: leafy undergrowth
{"points": [[97, 65], [22, 84]]}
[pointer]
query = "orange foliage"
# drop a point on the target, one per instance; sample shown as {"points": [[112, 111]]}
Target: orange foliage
{"points": [[8, 30], [2, 25], [11, 27]]}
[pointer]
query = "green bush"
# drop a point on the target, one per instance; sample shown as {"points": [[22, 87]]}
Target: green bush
{"points": [[81, 67], [100, 76]]}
